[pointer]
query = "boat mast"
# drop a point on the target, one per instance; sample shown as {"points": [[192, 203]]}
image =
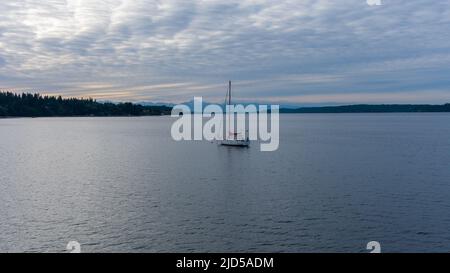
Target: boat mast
{"points": [[229, 105], [229, 88]]}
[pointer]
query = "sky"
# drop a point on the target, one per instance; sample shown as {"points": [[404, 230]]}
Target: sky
{"points": [[300, 52]]}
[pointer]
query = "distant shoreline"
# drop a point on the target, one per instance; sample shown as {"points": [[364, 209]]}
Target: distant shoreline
{"points": [[281, 113], [371, 108], [34, 105], [29, 117]]}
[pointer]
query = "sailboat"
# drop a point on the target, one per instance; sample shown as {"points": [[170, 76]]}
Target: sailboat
{"points": [[233, 138]]}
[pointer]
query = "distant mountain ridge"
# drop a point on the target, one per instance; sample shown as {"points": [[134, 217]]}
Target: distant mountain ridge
{"points": [[354, 108], [372, 108], [190, 104]]}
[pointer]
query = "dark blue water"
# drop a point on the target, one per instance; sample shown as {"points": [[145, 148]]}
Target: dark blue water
{"points": [[123, 185]]}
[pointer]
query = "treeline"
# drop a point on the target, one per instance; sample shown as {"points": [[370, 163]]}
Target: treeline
{"points": [[35, 105], [368, 108]]}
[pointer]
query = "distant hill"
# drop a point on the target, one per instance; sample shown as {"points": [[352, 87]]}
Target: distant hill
{"points": [[356, 108], [371, 108], [35, 105], [150, 103]]}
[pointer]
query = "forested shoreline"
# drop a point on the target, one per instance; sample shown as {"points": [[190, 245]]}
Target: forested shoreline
{"points": [[36, 105]]}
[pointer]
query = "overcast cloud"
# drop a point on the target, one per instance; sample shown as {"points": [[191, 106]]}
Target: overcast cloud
{"points": [[292, 51]]}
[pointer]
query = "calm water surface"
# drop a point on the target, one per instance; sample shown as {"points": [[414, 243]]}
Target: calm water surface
{"points": [[123, 185]]}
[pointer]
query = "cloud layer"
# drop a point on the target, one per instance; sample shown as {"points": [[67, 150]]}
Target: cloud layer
{"points": [[291, 51]]}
